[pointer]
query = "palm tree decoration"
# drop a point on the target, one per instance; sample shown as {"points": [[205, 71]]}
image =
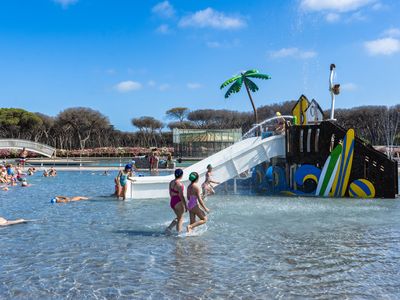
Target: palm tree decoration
{"points": [[238, 81]]}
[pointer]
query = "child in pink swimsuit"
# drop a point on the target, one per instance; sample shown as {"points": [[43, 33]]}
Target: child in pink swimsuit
{"points": [[178, 202], [194, 198]]}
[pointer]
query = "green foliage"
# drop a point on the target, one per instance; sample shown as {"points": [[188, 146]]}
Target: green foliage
{"points": [[15, 119], [147, 123], [229, 81], [237, 82], [243, 77], [251, 85], [178, 113], [259, 76], [235, 87]]}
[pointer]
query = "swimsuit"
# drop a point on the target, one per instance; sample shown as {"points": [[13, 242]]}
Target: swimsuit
{"points": [[175, 199], [123, 179], [192, 202]]}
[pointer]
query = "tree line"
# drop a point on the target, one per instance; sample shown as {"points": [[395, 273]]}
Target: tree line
{"points": [[82, 127]]}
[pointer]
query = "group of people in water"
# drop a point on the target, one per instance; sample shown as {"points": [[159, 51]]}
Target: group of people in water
{"points": [[195, 199], [195, 194], [12, 175]]}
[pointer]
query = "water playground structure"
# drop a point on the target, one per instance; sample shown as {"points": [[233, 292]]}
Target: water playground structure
{"points": [[311, 156]]}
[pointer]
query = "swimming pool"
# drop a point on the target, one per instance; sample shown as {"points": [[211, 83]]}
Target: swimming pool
{"points": [[253, 246]]}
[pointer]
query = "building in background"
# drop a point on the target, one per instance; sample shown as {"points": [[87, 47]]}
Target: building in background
{"points": [[201, 143]]}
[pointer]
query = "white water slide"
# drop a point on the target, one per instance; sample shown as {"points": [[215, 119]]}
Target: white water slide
{"points": [[227, 164]]}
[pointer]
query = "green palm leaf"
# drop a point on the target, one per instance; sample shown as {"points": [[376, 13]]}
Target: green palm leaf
{"points": [[235, 88], [258, 75], [250, 72], [251, 85], [229, 81]]}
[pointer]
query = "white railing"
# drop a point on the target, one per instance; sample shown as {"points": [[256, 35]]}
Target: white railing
{"points": [[28, 145], [253, 130]]}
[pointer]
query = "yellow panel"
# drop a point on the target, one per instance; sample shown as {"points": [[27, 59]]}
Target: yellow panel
{"points": [[299, 110]]}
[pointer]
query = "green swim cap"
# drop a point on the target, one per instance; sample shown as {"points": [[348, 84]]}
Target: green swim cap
{"points": [[193, 176]]}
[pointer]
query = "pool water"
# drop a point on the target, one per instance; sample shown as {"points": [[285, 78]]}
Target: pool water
{"points": [[252, 247]]}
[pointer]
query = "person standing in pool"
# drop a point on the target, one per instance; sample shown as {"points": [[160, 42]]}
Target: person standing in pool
{"points": [[122, 180], [194, 199], [207, 187], [22, 157], [177, 202]]}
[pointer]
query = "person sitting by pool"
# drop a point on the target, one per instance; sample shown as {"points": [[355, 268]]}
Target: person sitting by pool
{"points": [[177, 202], [207, 187], [280, 127], [122, 180], [194, 199], [5, 222], [3, 175], [64, 199]]}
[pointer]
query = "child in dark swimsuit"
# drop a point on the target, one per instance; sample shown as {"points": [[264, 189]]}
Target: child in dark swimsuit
{"points": [[178, 202], [194, 199]]}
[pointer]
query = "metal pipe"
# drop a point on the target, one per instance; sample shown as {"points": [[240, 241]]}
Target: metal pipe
{"points": [[332, 68]]}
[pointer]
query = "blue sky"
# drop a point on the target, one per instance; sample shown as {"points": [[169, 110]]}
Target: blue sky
{"points": [[131, 58]]}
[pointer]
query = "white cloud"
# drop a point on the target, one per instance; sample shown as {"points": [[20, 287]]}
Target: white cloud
{"points": [[193, 85], [293, 52], [127, 86], [334, 5], [65, 3], [384, 46], [164, 9], [392, 32], [151, 83], [164, 87], [332, 17], [212, 19], [348, 87], [223, 43], [163, 29], [357, 16]]}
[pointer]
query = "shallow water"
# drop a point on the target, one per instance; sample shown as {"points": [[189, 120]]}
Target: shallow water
{"points": [[252, 247]]}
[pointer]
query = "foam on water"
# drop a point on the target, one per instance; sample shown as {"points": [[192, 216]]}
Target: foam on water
{"points": [[252, 247]]}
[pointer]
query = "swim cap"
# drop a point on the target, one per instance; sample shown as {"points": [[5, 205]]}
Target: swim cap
{"points": [[178, 173], [133, 162], [278, 113], [209, 166], [54, 200], [128, 167], [193, 176]]}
